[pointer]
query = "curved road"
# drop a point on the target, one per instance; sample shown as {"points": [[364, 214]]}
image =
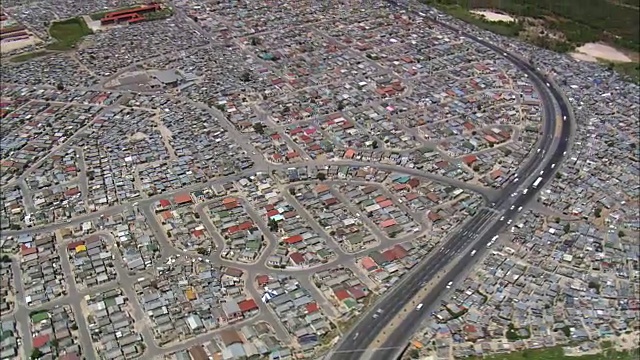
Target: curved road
{"points": [[357, 343]]}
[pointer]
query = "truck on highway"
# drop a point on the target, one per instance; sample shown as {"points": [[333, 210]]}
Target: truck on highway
{"points": [[537, 182]]}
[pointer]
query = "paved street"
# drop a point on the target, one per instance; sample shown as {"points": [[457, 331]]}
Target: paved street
{"points": [[213, 120]]}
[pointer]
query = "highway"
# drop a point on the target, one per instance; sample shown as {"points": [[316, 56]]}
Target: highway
{"points": [[357, 343]]}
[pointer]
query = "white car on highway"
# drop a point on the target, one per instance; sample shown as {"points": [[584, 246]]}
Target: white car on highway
{"points": [[419, 307], [378, 312], [449, 284]]}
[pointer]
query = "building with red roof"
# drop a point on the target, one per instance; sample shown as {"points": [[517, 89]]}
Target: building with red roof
{"points": [[341, 294], [293, 239], [182, 199], [247, 305], [26, 251], [368, 263], [262, 280], [388, 223], [163, 204], [40, 341], [357, 293], [400, 252], [297, 259], [389, 255], [129, 15]]}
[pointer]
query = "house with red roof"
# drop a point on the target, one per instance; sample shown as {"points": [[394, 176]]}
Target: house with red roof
{"points": [[341, 294], [388, 223], [297, 259], [357, 292], [434, 216], [40, 341], [293, 239], [311, 308], [28, 253], [469, 159], [400, 252], [368, 264], [262, 280], [183, 199], [247, 306], [389, 255], [162, 205]]}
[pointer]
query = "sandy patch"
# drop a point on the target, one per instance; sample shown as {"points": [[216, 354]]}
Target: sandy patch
{"points": [[493, 16], [9, 46], [593, 51]]}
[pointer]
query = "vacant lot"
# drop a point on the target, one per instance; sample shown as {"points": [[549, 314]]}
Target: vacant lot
{"points": [[581, 21], [28, 56], [68, 33], [558, 354], [561, 25]]}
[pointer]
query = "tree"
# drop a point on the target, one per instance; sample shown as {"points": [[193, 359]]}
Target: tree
{"points": [[245, 76], [374, 144], [621, 234], [566, 228], [321, 176], [60, 86], [557, 220], [292, 191], [258, 128], [273, 225], [598, 212], [414, 354], [36, 354]]}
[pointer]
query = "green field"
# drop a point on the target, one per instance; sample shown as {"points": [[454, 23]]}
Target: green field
{"points": [[28, 56], [630, 69], [68, 33], [581, 21], [558, 354]]}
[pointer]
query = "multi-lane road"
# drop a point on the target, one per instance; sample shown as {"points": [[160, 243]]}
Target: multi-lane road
{"points": [[552, 147]]}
